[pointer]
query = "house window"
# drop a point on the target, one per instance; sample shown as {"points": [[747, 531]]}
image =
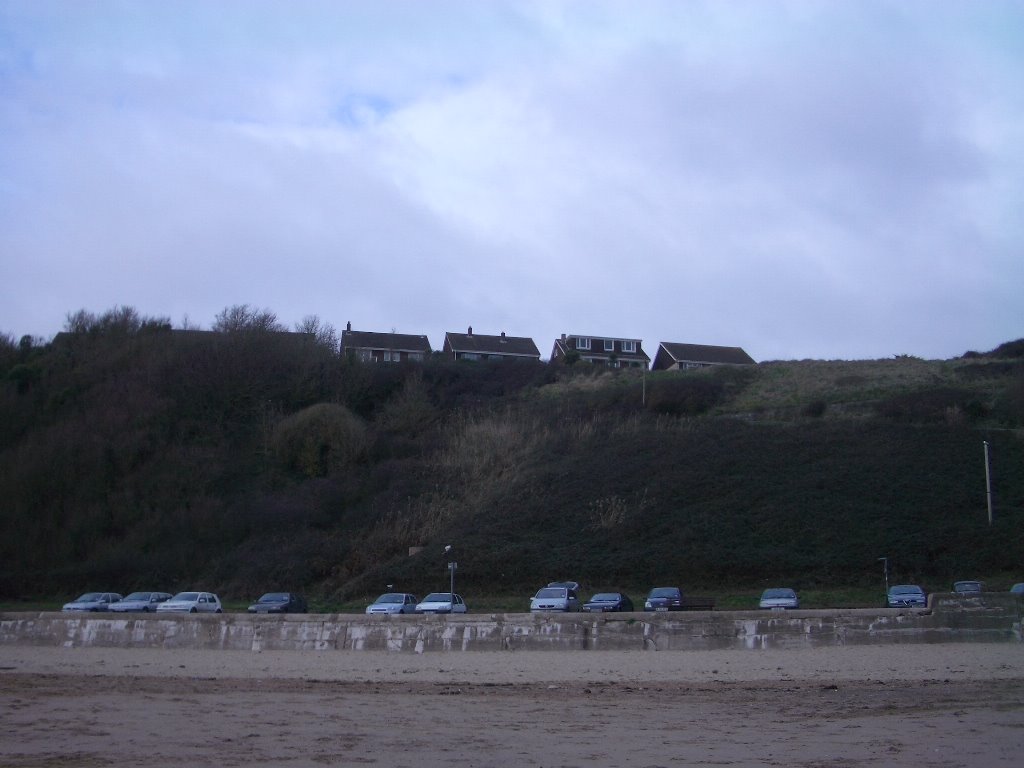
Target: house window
{"points": [[416, 356], [582, 343], [629, 346], [609, 345]]}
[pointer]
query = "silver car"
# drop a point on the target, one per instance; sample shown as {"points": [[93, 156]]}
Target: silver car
{"points": [[394, 602], [555, 599], [441, 602], [191, 602], [92, 602], [146, 602], [779, 598], [969, 587]]}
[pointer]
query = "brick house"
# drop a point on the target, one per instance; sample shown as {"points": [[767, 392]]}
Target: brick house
{"points": [[680, 357], [601, 350], [476, 346], [372, 347]]}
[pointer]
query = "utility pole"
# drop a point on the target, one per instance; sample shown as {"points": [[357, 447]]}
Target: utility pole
{"points": [[988, 483]]}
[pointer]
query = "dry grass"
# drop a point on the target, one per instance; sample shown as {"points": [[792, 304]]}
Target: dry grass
{"points": [[793, 384]]}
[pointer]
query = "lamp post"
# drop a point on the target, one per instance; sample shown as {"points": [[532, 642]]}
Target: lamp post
{"points": [[452, 565], [885, 572]]}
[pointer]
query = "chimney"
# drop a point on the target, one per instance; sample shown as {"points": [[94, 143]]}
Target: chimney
{"points": [[348, 326], [502, 337], [470, 331]]}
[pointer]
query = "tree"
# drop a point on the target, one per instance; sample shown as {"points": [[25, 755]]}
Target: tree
{"points": [[119, 321], [242, 317], [324, 333]]}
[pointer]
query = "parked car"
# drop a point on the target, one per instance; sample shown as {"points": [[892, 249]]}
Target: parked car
{"points": [[778, 598], [279, 602], [969, 587], [573, 585], [607, 602], [906, 595], [145, 602], [92, 602], [441, 602], [1017, 589], [555, 599], [393, 602], [191, 602], [664, 599]]}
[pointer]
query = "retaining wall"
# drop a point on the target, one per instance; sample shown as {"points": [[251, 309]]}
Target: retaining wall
{"points": [[990, 618]]}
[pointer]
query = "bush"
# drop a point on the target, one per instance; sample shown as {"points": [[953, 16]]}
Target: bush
{"points": [[815, 409], [319, 440], [685, 394], [941, 405]]}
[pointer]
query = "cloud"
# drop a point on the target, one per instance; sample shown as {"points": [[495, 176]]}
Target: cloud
{"points": [[826, 180]]}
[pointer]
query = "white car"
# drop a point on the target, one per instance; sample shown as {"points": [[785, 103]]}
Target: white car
{"points": [[92, 602], [779, 598], [555, 599], [145, 602], [191, 602], [394, 602], [441, 602]]}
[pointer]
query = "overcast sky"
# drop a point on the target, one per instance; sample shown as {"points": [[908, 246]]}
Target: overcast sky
{"points": [[801, 179]]}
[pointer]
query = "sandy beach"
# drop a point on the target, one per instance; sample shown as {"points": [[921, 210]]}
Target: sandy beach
{"points": [[901, 705]]}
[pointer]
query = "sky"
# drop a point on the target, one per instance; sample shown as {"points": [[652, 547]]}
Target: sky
{"points": [[806, 180]]}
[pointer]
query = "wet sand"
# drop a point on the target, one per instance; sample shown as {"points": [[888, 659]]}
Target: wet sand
{"points": [[901, 705]]}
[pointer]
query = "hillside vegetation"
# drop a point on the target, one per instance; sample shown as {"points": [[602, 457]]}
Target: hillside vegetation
{"points": [[246, 459]]}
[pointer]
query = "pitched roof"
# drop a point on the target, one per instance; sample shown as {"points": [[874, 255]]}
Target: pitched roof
{"points": [[481, 344], [706, 353], [399, 342]]}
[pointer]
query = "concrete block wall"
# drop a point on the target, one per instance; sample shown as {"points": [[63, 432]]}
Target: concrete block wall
{"points": [[990, 618]]}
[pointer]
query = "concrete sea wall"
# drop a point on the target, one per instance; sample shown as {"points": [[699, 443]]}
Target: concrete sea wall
{"points": [[989, 618]]}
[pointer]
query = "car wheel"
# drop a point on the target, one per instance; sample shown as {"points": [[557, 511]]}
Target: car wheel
{"points": [[192, 609], [218, 611]]}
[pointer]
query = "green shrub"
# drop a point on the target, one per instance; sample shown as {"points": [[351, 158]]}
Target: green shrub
{"points": [[685, 395], [319, 440]]}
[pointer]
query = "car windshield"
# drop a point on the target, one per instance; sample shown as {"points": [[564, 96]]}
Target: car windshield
{"points": [[90, 597], [604, 597], [664, 592], [551, 592], [906, 590], [189, 597], [776, 593], [967, 586], [391, 597], [438, 597], [274, 597], [137, 596]]}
